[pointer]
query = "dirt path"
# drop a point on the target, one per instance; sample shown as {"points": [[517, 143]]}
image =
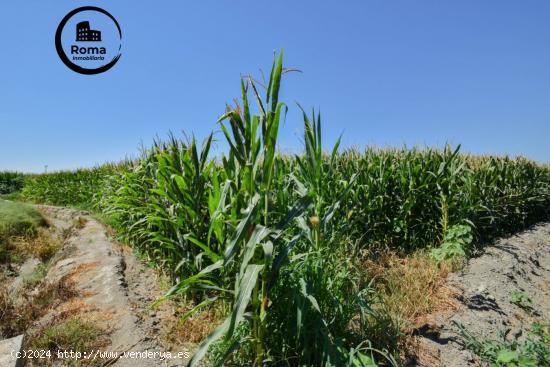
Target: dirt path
{"points": [[116, 288], [485, 286]]}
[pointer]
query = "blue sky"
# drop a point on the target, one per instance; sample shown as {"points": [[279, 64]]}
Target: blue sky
{"points": [[385, 73]]}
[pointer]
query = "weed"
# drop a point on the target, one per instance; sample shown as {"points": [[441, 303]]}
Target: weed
{"points": [[18, 219], [522, 300], [14, 196], [533, 351], [37, 276], [73, 334], [4, 251], [195, 328], [17, 316], [456, 244]]}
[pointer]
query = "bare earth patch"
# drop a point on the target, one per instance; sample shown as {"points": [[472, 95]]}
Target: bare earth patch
{"points": [[487, 290]]}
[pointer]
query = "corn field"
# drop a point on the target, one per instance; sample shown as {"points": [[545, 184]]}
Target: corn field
{"points": [[69, 188], [11, 182], [275, 237]]}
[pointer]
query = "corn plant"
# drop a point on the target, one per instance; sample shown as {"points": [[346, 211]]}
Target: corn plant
{"points": [[273, 237], [74, 188], [256, 235]]}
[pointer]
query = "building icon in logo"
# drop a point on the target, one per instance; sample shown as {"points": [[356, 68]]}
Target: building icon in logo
{"points": [[84, 33]]}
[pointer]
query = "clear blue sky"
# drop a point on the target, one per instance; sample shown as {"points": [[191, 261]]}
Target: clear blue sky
{"points": [[383, 72]]}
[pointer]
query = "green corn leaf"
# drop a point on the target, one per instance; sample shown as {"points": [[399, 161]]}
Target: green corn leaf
{"points": [[234, 149], [334, 153], [363, 360], [280, 259], [205, 150], [275, 82], [257, 96], [207, 302], [214, 257], [268, 250], [246, 107], [242, 228], [258, 235], [186, 283], [299, 208], [245, 288]]}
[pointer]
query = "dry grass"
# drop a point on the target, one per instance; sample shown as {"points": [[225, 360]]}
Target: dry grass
{"points": [[72, 333], [178, 331], [19, 313], [42, 246], [54, 315], [22, 307], [6, 304], [71, 324], [411, 287], [75, 306]]}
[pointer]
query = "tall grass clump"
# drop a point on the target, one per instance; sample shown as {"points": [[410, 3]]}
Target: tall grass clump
{"points": [[17, 220]]}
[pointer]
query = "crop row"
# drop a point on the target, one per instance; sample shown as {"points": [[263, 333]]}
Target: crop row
{"points": [[276, 238]]}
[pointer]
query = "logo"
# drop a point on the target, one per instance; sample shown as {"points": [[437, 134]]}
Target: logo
{"points": [[86, 50]]}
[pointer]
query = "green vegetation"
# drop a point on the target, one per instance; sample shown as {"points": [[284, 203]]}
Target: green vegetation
{"points": [[18, 219], [19, 312], [456, 244], [522, 299], [532, 352], [23, 235], [409, 288], [11, 182], [14, 196], [73, 334], [37, 276], [68, 188], [280, 241]]}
